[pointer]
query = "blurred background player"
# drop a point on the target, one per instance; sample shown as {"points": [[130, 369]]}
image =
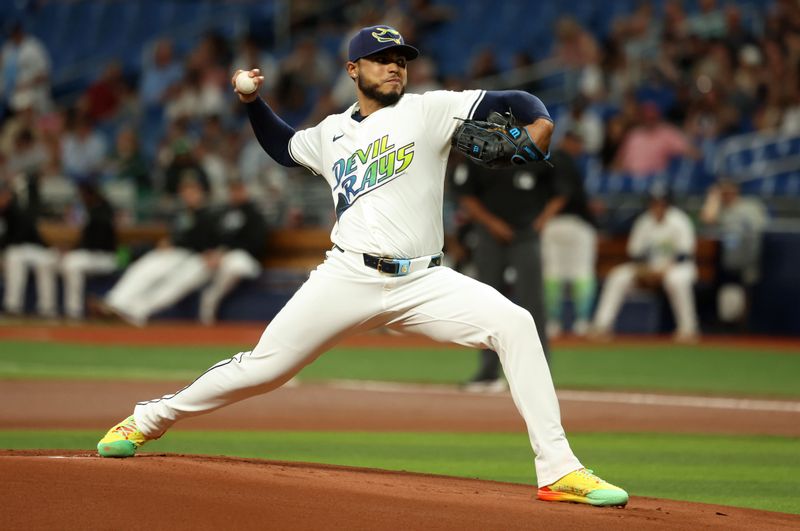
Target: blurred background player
{"points": [[175, 268], [24, 251], [740, 222], [569, 241], [242, 234], [25, 69], [95, 253], [661, 246], [509, 207]]}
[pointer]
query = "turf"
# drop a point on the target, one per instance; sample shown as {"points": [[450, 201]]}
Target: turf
{"points": [[697, 369], [745, 471]]}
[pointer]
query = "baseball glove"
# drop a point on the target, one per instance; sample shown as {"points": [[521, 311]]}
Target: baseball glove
{"points": [[497, 142]]}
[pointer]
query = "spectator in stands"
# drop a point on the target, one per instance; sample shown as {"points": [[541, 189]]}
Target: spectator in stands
{"points": [[24, 72], [198, 96], [674, 20], [577, 51], [242, 234], [748, 84], [661, 247], [740, 222], [29, 157], [648, 148], [581, 118], [484, 64], [266, 180], [83, 148], [175, 268], [160, 71], [25, 118], [95, 253], [709, 23], [184, 165], [737, 36], [618, 78], [128, 164], [310, 64], [25, 250], [711, 117], [522, 73], [569, 241], [616, 130], [213, 57], [104, 96], [639, 37]]}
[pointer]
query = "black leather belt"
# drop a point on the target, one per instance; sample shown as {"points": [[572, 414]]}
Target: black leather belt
{"points": [[395, 266], [392, 266]]}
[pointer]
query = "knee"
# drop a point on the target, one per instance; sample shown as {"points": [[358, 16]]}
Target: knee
{"points": [[69, 265], [12, 257], [674, 280], [619, 276], [514, 319]]}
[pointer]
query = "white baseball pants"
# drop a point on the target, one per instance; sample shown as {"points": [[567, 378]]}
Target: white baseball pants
{"points": [[75, 267], [157, 280], [234, 266], [678, 284], [569, 248], [342, 297], [18, 259]]}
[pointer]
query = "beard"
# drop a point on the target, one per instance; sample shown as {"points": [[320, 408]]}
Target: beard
{"points": [[383, 98]]}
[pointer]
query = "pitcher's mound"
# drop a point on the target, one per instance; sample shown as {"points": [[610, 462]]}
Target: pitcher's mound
{"points": [[78, 490]]}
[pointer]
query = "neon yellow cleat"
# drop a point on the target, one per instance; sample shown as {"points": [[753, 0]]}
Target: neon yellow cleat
{"points": [[122, 440], [581, 486]]}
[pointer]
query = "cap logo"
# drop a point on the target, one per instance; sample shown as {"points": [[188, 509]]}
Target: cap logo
{"points": [[387, 35]]}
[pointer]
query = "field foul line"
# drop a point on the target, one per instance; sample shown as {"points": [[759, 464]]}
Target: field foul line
{"points": [[608, 397]]}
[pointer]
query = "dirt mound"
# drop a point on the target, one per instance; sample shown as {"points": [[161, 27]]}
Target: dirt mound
{"points": [[74, 490]]}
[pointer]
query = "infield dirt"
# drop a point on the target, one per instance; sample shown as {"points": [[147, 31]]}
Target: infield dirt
{"points": [[74, 490]]}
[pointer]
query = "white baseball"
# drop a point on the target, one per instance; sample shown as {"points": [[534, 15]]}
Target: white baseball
{"points": [[244, 83]]}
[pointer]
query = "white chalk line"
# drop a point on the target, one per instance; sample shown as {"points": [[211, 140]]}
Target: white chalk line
{"points": [[606, 397]]}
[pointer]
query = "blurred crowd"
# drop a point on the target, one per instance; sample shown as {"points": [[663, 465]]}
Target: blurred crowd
{"points": [[670, 80], [655, 87], [662, 82]]}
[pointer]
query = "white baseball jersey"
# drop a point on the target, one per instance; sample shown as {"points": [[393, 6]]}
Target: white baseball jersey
{"points": [[386, 172], [662, 242]]}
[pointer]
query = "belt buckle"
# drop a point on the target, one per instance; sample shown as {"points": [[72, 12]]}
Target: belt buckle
{"points": [[403, 266]]}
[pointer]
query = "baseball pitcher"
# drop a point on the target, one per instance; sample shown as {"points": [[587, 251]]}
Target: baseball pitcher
{"points": [[384, 160]]}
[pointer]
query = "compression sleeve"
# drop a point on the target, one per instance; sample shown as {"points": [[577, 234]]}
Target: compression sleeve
{"points": [[525, 107], [272, 133]]}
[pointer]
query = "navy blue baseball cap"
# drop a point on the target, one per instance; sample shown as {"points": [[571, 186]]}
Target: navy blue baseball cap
{"points": [[375, 39]]}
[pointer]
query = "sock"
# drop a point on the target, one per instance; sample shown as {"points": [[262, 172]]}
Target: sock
{"points": [[583, 291], [553, 296]]}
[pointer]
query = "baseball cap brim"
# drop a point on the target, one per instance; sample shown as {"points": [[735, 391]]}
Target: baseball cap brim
{"points": [[409, 52]]}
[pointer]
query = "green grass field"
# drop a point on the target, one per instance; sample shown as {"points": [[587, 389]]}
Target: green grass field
{"points": [[756, 472], [746, 471], [672, 368]]}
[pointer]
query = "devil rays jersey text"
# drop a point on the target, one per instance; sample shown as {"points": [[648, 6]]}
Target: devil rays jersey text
{"points": [[386, 172]]}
